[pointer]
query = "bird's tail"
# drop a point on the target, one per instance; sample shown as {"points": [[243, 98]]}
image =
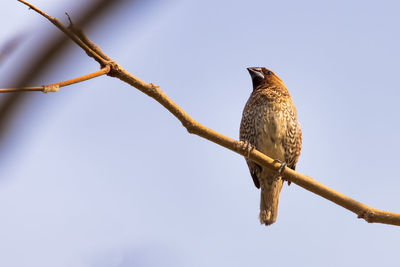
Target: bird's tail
{"points": [[269, 201]]}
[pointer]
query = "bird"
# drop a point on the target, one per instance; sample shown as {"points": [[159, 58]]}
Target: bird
{"points": [[269, 124]]}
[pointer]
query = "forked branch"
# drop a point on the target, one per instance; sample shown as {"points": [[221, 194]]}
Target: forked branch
{"points": [[363, 211]]}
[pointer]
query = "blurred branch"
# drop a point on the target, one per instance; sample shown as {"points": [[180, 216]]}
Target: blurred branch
{"points": [[363, 211], [10, 46], [54, 86]]}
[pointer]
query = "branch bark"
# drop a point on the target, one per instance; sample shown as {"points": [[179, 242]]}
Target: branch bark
{"points": [[363, 211]]}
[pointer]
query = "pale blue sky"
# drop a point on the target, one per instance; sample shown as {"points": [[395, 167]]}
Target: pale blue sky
{"points": [[99, 174]]}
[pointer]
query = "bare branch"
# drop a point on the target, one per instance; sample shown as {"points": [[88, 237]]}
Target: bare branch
{"points": [[363, 211], [54, 86]]}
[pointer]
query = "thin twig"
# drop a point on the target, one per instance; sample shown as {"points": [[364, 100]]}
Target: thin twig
{"points": [[70, 34], [54, 86], [363, 211], [78, 32]]}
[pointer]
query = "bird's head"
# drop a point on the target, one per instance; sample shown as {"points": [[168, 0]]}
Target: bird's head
{"points": [[264, 77]]}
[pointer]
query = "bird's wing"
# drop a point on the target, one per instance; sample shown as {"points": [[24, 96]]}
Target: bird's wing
{"points": [[255, 171], [247, 133], [292, 140]]}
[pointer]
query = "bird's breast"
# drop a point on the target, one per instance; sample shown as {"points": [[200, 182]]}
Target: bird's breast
{"points": [[271, 129]]}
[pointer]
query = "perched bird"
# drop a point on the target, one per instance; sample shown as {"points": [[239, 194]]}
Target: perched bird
{"points": [[269, 123]]}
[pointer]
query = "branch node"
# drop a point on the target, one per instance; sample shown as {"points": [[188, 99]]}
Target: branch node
{"points": [[50, 88], [367, 215], [155, 87], [191, 127], [115, 68]]}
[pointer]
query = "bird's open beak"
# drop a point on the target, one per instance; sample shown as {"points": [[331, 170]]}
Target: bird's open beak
{"points": [[256, 72]]}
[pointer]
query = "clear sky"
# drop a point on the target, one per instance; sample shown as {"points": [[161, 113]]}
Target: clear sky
{"points": [[99, 174]]}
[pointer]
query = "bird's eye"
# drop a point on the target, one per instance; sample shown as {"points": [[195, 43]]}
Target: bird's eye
{"points": [[269, 72]]}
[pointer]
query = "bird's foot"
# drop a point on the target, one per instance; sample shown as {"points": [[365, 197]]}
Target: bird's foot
{"points": [[282, 167], [248, 147], [280, 170]]}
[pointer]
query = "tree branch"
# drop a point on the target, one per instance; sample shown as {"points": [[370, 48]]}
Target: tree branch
{"points": [[54, 86], [363, 211]]}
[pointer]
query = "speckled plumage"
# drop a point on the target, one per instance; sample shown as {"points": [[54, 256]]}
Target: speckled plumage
{"points": [[269, 123]]}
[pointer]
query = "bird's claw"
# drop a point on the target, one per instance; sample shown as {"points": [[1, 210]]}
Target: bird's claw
{"points": [[281, 168], [248, 147]]}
